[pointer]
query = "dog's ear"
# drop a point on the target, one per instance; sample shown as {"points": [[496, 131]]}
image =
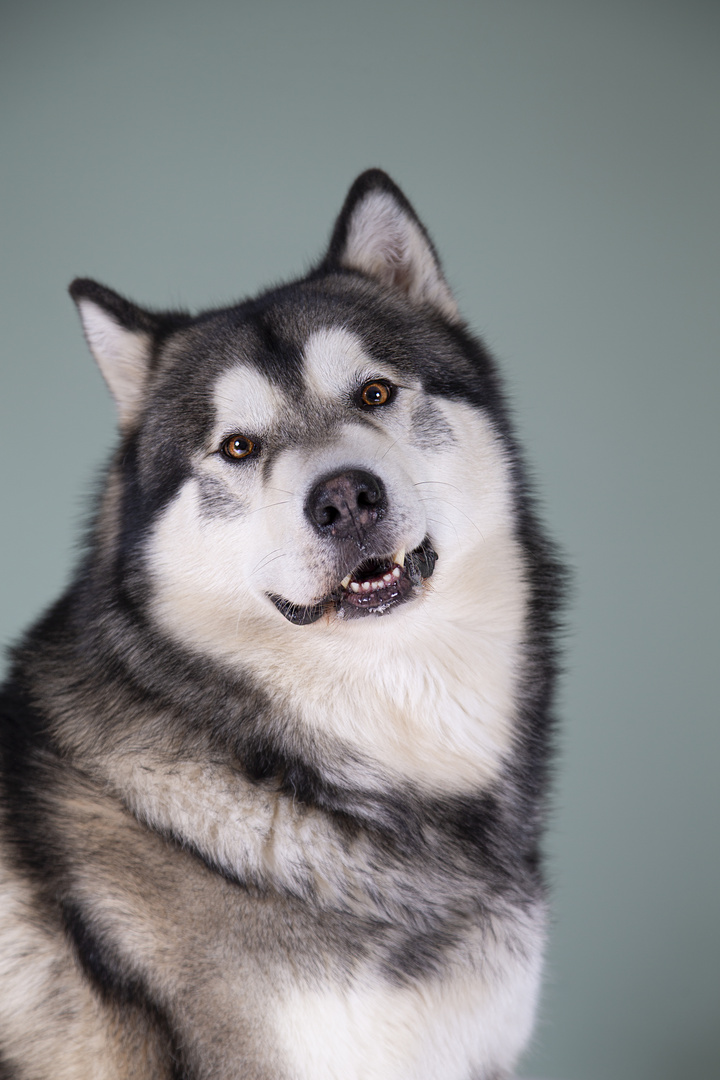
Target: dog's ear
{"points": [[379, 234], [120, 336]]}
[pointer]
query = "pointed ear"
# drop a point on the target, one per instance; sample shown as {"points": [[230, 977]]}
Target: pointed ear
{"points": [[120, 336], [379, 234]]}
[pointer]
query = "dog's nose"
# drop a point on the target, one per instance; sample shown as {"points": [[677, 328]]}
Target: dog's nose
{"points": [[346, 504]]}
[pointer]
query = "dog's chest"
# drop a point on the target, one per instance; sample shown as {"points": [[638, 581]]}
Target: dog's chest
{"points": [[468, 1023], [427, 702], [230, 963]]}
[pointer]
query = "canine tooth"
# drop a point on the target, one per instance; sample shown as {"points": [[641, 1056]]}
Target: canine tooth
{"points": [[346, 581], [355, 586], [399, 557], [396, 572]]}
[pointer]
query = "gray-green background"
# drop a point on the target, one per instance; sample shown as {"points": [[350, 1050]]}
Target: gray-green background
{"points": [[565, 158]]}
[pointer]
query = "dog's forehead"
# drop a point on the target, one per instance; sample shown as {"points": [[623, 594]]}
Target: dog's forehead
{"points": [[243, 393], [333, 360]]}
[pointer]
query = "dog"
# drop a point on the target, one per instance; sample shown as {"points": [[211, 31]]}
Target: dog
{"points": [[275, 766]]}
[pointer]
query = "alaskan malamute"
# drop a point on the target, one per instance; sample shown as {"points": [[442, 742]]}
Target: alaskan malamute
{"points": [[275, 765]]}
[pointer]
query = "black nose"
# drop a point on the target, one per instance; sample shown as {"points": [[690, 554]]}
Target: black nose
{"points": [[346, 504]]}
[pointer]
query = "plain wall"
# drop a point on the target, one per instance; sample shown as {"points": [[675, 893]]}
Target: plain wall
{"points": [[564, 156]]}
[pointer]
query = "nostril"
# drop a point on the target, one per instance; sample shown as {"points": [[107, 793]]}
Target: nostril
{"points": [[325, 515], [368, 496]]}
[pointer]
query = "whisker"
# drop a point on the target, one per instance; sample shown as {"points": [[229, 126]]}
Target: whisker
{"points": [[276, 553], [444, 483], [267, 506], [456, 509], [446, 523], [390, 447]]}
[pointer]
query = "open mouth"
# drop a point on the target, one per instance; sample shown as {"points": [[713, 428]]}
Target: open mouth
{"points": [[374, 587]]}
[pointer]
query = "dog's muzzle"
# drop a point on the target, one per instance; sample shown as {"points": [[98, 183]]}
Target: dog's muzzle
{"points": [[345, 508]]}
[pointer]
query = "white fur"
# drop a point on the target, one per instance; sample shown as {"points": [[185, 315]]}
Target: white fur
{"points": [[245, 402], [334, 362], [443, 1028], [384, 242], [121, 355]]}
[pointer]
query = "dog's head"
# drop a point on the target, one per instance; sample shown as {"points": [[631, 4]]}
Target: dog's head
{"points": [[307, 456]]}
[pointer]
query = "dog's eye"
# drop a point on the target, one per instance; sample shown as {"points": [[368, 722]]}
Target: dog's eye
{"points": [[237, 447], [376, 393]]}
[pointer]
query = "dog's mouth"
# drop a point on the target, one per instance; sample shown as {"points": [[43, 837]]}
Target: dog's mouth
{"points": [[375, 587]]}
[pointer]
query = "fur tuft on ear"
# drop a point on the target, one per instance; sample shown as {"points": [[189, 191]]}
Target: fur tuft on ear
{"points": [[120, 336], [379, 234]]}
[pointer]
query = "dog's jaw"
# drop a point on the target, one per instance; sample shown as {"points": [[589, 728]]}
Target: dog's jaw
{"points": [[375, 587]]}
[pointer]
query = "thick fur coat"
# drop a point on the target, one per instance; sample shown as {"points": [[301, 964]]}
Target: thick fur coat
{"points": [[274, 768]]}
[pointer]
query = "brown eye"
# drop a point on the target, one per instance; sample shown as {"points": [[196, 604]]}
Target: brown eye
{"points": [[376, 393], [237, 447]]}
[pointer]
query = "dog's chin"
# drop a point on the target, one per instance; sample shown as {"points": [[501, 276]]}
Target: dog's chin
{"points": [[374, 587]]}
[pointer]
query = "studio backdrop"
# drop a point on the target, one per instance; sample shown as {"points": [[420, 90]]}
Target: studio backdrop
{"points": [[565, 158]]}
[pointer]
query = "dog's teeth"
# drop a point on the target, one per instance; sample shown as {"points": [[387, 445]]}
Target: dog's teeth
{"points": [[374, 585]]}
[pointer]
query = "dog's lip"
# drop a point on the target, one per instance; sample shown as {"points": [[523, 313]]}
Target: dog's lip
{"points": [[374, 587]]}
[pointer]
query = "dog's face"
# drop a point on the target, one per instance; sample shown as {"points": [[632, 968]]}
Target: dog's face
{"points": [[308, 456], [305, 490], [332, 489]]}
